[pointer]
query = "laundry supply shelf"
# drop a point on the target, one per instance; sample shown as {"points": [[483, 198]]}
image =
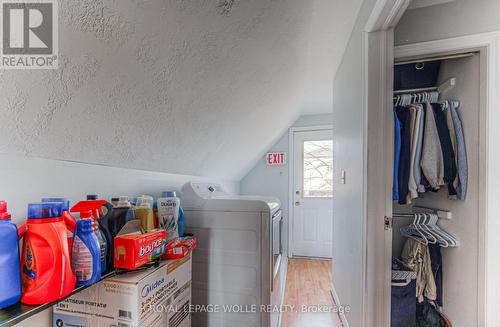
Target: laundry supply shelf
{"points": [[19, 312]]}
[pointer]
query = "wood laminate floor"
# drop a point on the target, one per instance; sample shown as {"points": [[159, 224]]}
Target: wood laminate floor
{"points": [[308, 286]]}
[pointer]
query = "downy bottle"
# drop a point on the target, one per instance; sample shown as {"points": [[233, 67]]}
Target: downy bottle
{"points": [[168, 214]]}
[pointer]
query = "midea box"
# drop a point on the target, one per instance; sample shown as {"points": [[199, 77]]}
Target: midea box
{"points": [[154, 297]]}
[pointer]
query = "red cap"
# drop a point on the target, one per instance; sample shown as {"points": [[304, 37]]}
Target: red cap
{"points": [[92, 206], [3, 211]]}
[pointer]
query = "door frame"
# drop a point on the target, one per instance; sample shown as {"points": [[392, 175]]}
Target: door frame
{"points": [[487, 45], [291, 180], [378, 243]]}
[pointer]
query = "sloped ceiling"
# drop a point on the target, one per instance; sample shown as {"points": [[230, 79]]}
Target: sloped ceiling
{"points": [[192, 87]]}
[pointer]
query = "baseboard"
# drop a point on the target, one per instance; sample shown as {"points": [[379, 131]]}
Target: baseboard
{"points": [[285, 273], [336, 301]]}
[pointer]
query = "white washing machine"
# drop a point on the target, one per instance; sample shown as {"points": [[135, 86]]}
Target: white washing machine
{"points": [[237, 266]]}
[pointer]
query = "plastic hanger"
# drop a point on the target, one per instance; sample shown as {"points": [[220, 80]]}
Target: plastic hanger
{"points": [[442, 241], [423, 228], [452, 241], [410, 230]]}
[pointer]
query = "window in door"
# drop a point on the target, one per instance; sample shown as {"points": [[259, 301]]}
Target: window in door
{"points": [[318, 169]]}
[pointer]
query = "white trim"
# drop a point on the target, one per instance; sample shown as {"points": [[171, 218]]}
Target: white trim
{"points": [[386, 14], [415, 4], [285, 275], [336, 301], [489, 269], [291, 132], [310, 128]]}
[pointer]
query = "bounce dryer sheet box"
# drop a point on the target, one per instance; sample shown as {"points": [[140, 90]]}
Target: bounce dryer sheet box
{"points": [[135, 250], [151, 298]]}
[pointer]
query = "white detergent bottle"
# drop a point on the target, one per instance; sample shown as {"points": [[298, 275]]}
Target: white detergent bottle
{"points": [[168, 214]]}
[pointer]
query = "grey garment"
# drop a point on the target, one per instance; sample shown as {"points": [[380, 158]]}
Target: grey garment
{"points": [[462, 166], [412, 183], [451, 127], [417, 172], [432, 156]]}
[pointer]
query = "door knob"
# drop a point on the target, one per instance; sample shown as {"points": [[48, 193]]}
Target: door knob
{"points": [[297, 203], [297, 192]]}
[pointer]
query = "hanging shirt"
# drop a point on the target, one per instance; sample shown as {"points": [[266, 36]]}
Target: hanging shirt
{"points": [[412, 184], [462, 168], [453, 137], [397, 151], [416, 256], [417, 170], [450, 168], [405, 153], [432, 156]]}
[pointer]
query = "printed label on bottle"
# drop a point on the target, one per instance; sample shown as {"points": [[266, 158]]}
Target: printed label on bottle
{"points": [[29, 268], [167, 218], [81, 262]]}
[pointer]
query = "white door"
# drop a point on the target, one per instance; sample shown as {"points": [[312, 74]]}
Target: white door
{"points": [[312, 193]]}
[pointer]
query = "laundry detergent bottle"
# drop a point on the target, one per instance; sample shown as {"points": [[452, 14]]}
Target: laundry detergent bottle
{"points": [[121, 214], [67, 217], [45, 262], [144, 212], [92, 210], [10, 275], [86, 253]]}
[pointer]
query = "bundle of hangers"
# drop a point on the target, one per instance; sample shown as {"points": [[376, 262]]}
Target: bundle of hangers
{"points": [[424, 228], [429, 151], [422, 253]]}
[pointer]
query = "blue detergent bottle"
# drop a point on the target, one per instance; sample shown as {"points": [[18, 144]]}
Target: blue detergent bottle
{"points": [[86, 254], [10, 273]]}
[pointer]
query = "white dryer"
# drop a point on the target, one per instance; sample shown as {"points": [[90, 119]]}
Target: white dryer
{"points": [[237, 265]]}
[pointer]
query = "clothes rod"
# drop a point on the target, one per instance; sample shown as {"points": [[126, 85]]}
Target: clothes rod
{"points": [[414, 61], [425, 89], [442, 214], [446, 86]]}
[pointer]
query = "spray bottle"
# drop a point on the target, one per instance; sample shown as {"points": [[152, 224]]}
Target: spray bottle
{"points": [[92, 210], [86, 253]]}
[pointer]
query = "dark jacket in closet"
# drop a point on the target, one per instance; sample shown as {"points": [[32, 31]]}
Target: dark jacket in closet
{"points": [[404, 118], [450, 167]]}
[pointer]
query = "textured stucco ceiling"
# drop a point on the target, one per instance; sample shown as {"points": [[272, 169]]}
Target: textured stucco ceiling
{"points": [[191, 87]]}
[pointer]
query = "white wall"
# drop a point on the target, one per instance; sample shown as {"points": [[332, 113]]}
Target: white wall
{"points": [[273, 180], [25, 180], [349, 209], [457, 18]]}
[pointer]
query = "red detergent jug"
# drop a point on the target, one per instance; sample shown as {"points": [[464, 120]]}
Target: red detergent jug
{"points": [[45, 261], [68, 218]]}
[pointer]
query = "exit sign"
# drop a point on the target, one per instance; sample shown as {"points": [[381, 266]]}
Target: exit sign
{"points": [[275, 158]]}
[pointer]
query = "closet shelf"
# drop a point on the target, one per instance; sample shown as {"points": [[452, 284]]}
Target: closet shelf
{"points": [[17, 313]]}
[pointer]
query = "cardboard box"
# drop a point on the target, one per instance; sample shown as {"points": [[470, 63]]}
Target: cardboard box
{"points": [[155, 297]]}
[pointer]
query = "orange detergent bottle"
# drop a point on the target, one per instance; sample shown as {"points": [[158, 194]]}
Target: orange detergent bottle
{"points": [[45, 262]]}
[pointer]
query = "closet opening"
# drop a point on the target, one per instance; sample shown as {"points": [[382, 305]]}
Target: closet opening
{"points": [[438, 197]]}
